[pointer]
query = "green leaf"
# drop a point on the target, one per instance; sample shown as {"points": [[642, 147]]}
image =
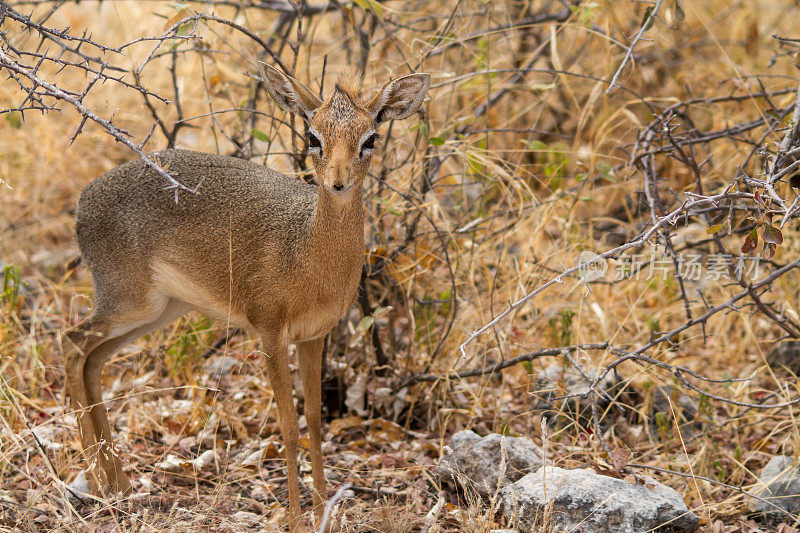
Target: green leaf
{"points": [[606, 171], [537, 146], [11, 285], [365, 323], [370, 5], [381, 311], [260, 135], [436, 141], [772, 234], [715, 228]]}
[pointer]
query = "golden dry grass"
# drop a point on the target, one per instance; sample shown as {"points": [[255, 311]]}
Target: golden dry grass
{"points": [[542, 176]]}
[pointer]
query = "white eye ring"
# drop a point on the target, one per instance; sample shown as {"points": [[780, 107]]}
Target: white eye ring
{"points": [[364, 151], [315, 150]]}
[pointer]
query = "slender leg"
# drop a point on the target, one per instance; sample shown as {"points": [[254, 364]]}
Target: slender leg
{"points": [[309, 356], [78, 344], [279, 376], [92, 374], [109, 458]]}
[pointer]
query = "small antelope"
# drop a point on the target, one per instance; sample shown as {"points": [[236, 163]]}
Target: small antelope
{"points": [[253, 248]]}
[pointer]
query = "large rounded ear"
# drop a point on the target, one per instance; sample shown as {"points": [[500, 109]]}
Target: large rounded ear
{"points": [[289, 93], [399, 98]]}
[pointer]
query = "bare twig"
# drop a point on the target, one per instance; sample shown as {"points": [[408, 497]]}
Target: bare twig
{"points": [[652, 12], [341, 493]]}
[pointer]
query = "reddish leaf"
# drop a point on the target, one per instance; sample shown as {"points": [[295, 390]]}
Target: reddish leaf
{"points": [[750, 242]]}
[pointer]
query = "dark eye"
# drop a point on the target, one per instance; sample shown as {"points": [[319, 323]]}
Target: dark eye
{"points": [[368, 146], [313, 142]]}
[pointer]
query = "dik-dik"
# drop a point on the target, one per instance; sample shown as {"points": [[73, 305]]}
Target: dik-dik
{"points": [[252, 248]]}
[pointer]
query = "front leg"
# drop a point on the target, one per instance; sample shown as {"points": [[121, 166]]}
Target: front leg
{"points": [[275, 346], [309, 358]]}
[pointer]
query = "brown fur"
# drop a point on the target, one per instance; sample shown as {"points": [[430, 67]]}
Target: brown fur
{"points": [[350, 82], [252, 248]]}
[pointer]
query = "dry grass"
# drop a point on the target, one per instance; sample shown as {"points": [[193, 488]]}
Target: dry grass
{"points": [[541, 176]]}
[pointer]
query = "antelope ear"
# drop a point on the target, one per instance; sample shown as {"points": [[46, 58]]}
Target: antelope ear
{"points": [[289, 93], [399, 98]]}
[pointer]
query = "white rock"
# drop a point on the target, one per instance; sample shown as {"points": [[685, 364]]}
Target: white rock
{"points": [[47, 259], [476, 461], [779, 485], [146, 482], [582, 500], [208, 435]]}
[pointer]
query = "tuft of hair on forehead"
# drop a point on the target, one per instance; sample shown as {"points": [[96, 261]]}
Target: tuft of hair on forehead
{"points": [[349, 82]]}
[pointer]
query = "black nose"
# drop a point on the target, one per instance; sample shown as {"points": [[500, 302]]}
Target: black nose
{"points": [[338, 187]]}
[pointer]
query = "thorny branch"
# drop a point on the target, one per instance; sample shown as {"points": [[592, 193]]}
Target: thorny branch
{"points": [[648, 21], [42, 95], [507, 363], [744, 204], [120, 135]]}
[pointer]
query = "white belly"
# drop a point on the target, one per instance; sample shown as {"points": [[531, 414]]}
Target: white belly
{"points": [[172, 283]]}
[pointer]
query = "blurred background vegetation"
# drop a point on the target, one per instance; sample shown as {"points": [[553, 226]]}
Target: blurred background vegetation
{"points": [[523, 157]]}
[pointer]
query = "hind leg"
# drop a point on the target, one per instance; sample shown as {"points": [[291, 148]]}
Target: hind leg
{"points": [[79, 343], [92, 373], [115, 322], [103, 450]]}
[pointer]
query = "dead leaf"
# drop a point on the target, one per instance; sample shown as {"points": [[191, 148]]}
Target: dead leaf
{"points": [[341, 425]]}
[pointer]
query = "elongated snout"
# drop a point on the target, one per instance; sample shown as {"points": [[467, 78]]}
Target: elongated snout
{"points": [[338, 176]]}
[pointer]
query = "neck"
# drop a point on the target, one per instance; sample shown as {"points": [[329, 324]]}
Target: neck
{"points": [[339, 225]]}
